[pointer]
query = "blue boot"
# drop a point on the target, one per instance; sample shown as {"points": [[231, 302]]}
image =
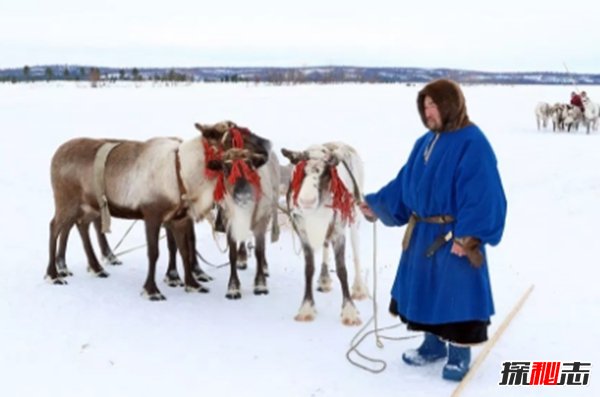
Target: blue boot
{"points": [[457, 366], [432, 349]]}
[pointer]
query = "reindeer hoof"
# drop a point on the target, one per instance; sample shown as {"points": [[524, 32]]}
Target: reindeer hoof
{"points": [[261, 290], [55, 281], [350, 315], [64, 272], [112, 259], [359, 292], [307, 312], [304, 317], [173, 281], [202, 277], [100, 273], [197, 288], [242, 265], [154, 296], [351, 321], [324, 288], [233, 295]]}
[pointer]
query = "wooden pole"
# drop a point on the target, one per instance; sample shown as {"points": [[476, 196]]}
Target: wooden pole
{"points": [[488, 346]]}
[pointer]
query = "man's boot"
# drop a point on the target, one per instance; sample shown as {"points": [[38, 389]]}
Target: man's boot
{"points": [[459, 359], [431, 350]]}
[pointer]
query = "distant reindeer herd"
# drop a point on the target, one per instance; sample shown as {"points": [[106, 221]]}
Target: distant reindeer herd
{"points": [[567, 117], [171, 183]]}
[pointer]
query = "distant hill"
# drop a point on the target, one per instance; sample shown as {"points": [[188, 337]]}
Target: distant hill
{"points": [[324, 74]]}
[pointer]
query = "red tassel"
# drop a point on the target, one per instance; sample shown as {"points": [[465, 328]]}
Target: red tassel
{"points": [[342, 199], [297, 179], [214, 153], [219, 192], [236, 139]]}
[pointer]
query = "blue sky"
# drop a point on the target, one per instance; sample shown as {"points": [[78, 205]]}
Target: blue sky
{"points": [[495, 36]]}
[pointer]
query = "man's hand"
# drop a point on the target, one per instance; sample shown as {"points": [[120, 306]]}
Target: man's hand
{"points": [[457, 249], [469, 247], [367, 212]]}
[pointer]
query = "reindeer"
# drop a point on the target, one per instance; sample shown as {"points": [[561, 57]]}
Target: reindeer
{"points": [[250, 193], [321, 208], [572, 116], [162, 181], [591, 114], [542, 114]]}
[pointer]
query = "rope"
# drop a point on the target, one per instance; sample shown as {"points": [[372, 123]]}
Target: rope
{"points": [[357, 339], [128, 250], [199, 255], [125, 235]]}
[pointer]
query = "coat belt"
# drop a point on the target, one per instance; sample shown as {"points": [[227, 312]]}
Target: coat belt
{"points": [[414, 218]]}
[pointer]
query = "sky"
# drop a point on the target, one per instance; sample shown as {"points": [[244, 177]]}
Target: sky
{"points": [[512, 35]]}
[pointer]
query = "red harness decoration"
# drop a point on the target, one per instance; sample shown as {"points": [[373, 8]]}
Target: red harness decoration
{"points": [[297, 179], [239, 167], [342, 199], [214, 153]]}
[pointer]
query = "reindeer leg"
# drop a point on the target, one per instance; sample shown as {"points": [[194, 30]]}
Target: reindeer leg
{"points": [[107, 253], [359, 289], [324, 283], [260, 281], [349, 311], [199, 274], [93, 265], [150, 289], [242, 256], [61, 263], [52, 275], [172, 278], [180, 229], [233, 288], [307, 310]]}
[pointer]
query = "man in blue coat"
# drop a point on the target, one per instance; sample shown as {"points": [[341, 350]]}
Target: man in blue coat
{"points": [[450, 196]]}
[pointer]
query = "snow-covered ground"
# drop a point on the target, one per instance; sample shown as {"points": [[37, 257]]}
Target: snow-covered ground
{"points": [[98, 337]]}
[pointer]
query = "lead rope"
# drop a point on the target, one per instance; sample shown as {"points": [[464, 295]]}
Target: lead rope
{"points": [[358, 339]]}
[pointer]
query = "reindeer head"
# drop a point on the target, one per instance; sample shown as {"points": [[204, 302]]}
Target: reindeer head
{"points": [[315, 181], [237, 155]]}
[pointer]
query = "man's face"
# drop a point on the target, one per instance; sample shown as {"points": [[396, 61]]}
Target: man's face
{"points": [[432, 115]]}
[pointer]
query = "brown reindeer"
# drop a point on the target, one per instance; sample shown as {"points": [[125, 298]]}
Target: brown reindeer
{"points": [[161, 181], [322, 207]]}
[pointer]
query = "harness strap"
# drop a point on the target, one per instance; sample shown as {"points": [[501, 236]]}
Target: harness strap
{"points": [[414, 218], [100, 185], [181, 210]]}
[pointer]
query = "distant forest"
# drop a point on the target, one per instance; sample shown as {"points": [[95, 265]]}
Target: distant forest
{"points": [[98, 76]]}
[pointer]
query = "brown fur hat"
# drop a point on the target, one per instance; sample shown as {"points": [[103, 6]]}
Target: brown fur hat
{"points": [[450, 100]]}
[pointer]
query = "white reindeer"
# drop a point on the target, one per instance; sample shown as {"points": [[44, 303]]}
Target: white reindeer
{"points": [[590, 114], [322, 207], [542, 114]]}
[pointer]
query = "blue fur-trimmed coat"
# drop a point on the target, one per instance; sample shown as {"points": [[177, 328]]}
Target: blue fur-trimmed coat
{"points": [[460, 179]]}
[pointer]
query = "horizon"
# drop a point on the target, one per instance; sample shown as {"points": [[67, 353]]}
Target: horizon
{"points": [[565, 71]]}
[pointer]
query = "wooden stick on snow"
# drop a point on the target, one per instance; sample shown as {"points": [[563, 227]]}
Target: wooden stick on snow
{"points": [[488, 346]]}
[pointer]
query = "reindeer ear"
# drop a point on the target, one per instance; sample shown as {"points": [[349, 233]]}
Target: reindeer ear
{"points": [[333, 160], [209, 131], [215, 165], [259, 160], [294, 157], [201, 127]]}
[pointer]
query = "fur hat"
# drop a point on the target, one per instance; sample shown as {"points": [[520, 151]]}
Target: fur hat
{"points": [[450, 101]]}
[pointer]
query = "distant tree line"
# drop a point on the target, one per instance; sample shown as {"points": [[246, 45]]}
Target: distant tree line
{"points": [[99, 76]]}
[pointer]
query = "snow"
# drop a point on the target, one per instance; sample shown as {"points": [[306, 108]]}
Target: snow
{"points": [[98, 337]]}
